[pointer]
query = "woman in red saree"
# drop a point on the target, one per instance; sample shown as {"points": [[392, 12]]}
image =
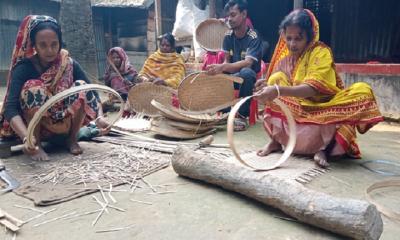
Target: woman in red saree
{"points": [[40, 68], [125, 78], [302, 75]]}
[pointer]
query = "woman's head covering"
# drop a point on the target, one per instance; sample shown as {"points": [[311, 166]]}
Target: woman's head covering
{"points": [[126, 67], [41, 22], [281, 49], [23, 46]]}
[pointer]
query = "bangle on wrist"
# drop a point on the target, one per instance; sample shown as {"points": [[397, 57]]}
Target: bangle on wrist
{"points": [[277, 90], [95, 121]]}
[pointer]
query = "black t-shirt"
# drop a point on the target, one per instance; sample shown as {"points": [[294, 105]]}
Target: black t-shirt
{"points": [[249, 46], [22, 72]]}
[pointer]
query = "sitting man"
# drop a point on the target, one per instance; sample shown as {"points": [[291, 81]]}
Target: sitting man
{"points": [[243, 52]]}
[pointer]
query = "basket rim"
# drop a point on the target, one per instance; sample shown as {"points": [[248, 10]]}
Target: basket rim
{"points": [[206, 23]]}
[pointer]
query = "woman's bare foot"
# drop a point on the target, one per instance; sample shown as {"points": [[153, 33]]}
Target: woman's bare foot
{"points": [[37, 155], [75, 149], [321, 160], [269, 148]]}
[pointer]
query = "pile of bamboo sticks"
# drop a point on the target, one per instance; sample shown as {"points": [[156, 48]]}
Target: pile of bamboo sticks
{"points": [[120, 165]]}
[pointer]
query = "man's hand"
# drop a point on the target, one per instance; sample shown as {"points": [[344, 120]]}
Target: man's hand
{"points": [[214, 69], [260, 84]]}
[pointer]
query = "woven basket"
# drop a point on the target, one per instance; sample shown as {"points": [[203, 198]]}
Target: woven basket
{"points": [[188, 117], [163, 128], [198, 128], [210, 34], [141, 95], [202, 92]]}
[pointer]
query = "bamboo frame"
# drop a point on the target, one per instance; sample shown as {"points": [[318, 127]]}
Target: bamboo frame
{"points": [[61, 95], [288, 149]]}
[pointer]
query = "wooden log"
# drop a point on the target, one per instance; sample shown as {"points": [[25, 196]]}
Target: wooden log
{"points": [[349, 217]]}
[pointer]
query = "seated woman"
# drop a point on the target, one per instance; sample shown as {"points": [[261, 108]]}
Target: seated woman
{"points": [[302, 75], [125, 78], [166, 66], [40, 68]]}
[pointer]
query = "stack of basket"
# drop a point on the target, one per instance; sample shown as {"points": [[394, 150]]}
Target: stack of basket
{"points": [[201, 96]]}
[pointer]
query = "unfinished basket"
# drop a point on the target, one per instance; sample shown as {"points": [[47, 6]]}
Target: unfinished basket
{"points": [[141, 95], [210, 34], [62, 95], [202, 92], [163, 128], [189, 117]]}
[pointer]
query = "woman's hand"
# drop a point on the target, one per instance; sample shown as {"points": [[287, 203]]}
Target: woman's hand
{"points": [[266, 94], [260, 84], [159, 81], [28, 150], [103, 125]]}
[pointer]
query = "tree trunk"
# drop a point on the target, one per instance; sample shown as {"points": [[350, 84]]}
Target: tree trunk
{"points": [[78, 33], [349, 217]]}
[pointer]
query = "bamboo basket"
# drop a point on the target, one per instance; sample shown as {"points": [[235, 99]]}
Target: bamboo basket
{"points": [[141, 95], [163, 128], [187, 116], [210, 34], [202, 92]]}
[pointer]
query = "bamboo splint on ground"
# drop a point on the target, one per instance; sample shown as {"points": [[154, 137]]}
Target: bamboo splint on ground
{"points": [[349, 217], [9, 221]]}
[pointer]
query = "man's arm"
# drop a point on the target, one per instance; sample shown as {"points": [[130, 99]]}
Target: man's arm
{"points": [[229, 67]]}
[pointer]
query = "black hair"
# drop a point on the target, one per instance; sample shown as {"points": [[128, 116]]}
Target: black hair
{"points": [[242, 5], [301, 19], [46, 25], [170, 38]]}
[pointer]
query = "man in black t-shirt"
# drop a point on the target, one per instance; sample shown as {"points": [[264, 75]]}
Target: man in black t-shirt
{"points": [[243, 52]]}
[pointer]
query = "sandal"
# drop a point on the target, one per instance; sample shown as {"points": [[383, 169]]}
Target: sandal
{"points": [[240, 124]]}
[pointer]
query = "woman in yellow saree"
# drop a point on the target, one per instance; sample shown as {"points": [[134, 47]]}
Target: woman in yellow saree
{"points": [[166, 66], [302, 75]]}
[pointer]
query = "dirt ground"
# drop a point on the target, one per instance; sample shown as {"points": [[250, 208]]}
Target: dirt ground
{"points": [[194, 210]]}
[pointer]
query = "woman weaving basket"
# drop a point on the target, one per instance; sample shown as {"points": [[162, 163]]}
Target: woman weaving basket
{"points": [[125, 78], [40, 68], [302, 75], [166, 66]]}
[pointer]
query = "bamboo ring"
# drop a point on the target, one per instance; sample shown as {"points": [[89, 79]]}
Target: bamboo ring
{"points": [[288, 149], [60, 96], [383, 184]]}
